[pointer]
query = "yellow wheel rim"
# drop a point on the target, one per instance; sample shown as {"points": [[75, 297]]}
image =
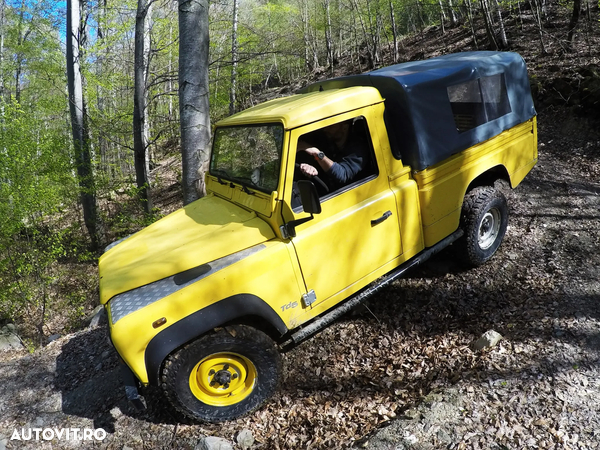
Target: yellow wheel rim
{"points": [[223, 379]]}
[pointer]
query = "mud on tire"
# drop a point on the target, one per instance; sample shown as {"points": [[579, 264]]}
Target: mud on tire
{"points": [[223, 375], [484, 221]]}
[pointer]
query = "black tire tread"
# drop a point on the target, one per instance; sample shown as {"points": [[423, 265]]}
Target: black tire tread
{"points": [[474, 203]]}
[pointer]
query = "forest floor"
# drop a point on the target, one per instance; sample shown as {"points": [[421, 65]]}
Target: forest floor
{"points": [[400, 373]]}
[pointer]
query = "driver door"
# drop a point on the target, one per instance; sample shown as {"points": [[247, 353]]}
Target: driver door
{"points": [[357, 231]]}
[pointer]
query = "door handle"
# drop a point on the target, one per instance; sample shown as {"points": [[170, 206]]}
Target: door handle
{"points": [[381, 219]]}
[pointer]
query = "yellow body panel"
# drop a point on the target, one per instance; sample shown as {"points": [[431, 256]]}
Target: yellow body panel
{"points": [[442, 187]]}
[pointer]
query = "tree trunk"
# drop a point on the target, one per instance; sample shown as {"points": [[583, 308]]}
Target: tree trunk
{"points": [[443, 17], [140, 102], [2, 33], [234, 58], [83, 159], [503, 38], [537, 15], [394, 31], [328, 38], [193, 95], [573, 23], [473, 33], [19, 53], [453, 17], [371, 63], [487, 19], [309, 63]]}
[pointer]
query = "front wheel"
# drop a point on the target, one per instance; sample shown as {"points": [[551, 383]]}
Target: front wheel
{"points": [[484, 221], [223, 375]]}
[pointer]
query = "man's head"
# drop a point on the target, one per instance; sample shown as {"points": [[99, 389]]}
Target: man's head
{"points": [[338, 133]]}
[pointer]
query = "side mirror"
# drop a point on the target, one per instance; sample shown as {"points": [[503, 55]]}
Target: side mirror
{"points": [[309, 197]]}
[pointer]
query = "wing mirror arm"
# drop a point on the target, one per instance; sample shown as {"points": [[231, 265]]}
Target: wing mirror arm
{"points": [[309, 198]]}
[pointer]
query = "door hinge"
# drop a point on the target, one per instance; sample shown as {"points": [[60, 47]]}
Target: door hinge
{"points": [[309, 298]]}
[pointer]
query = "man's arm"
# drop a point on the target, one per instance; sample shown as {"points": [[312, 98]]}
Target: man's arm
{"points": [[346, 170]]}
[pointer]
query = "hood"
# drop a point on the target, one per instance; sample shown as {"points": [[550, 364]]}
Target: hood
{"points": [[205, 230]]}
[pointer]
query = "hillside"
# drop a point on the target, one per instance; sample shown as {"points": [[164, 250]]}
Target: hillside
{"points": [[400, 373]]}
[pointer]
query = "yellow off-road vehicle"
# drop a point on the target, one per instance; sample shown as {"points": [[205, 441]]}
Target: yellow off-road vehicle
{"points": [[315, 201]]}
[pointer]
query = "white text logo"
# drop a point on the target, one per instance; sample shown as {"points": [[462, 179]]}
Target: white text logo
{"points": [[69, 434]]}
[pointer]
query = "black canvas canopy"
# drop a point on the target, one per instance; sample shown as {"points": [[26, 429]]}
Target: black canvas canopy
{"points": [[441, 106]]}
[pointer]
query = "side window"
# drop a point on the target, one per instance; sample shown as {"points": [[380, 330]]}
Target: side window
{"points": [[335, 158], [478, 101]]}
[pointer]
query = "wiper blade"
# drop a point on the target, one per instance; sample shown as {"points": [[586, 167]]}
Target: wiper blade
{"points": [[242, 182], [218, 173]]}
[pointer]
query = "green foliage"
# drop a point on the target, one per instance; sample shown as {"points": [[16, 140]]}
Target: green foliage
{"points": [[35, 185]]}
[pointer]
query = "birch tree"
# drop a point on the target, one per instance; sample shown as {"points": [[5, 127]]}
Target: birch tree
{"points": [[141, 128], [234, 58], [79, 126]]}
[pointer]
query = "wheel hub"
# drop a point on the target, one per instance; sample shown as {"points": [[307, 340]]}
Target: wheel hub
{"points": [[222, 379], [489, 227]]}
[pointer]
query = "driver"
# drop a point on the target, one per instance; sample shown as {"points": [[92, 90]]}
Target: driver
{"points": [[345, 157]]}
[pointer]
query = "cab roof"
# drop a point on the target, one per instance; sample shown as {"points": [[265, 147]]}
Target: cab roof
{"points": [[302, 109]]}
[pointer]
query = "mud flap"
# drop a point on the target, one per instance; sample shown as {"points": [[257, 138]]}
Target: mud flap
{"points": [[132, 388]]}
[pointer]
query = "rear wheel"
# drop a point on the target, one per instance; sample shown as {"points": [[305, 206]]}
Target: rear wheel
{"points": [[223, 375], [484, 220]]}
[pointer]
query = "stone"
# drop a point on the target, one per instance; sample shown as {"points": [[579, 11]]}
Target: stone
{"points": [[116, 413], [98, 317], [489, 339], [10, 342], [245, 439], [213, 443], [53, 337]]}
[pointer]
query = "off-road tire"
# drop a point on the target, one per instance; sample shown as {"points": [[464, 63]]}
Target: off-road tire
{"points": [[251, 344], [484, 221]]}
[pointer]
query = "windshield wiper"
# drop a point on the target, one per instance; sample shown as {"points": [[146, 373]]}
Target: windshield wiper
{"points": [[242, 182], [217, 173]]}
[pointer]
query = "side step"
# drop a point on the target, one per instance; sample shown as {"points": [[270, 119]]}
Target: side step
{"points": [[326, 319]]}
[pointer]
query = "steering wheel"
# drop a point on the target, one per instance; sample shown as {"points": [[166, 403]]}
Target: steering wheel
{"points": [[315, 178]]}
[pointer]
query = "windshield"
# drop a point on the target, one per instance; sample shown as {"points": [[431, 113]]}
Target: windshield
{"points": [[249, 155]]}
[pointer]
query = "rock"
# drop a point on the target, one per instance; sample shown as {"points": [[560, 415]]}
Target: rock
{"points": [[53, 337], [213, 443], [245, 439], [487, 340], [9, 340], [98, 317], [116, 413], [125, 447]]}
